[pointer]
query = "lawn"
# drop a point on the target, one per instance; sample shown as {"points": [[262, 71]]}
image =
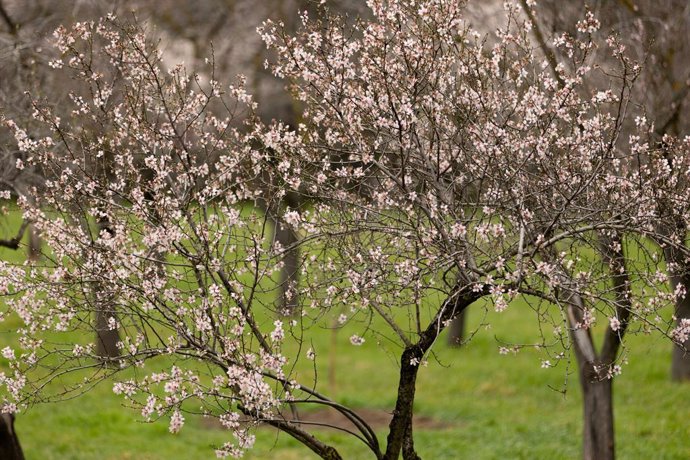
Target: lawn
{"points": [[475, 404], [484, 406]]}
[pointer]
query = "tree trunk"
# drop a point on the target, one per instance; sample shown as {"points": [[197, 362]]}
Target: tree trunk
{"points": [[680, 364], [597, 432], [107, 336], [597, 390], [408, 451], [289, 275], [288, 299], [456, 331], [9, 442], [401, 424], [34, 247]]}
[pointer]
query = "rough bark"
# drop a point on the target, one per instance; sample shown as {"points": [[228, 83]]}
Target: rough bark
{"points": [[597, 432], [408, 450], [401, 424], [10, 449]]}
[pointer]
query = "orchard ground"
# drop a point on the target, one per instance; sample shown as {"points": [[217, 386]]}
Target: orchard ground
{"points": [[471, 402]]}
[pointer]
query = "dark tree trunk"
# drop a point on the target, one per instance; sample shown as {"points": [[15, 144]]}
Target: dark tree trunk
{"points": [[597, 432], [107, 337], [456, 330], [680, 363], [10, 449], [408, 451], [400, 427], [289, 275]]}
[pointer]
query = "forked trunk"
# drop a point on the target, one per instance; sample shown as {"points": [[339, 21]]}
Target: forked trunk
{"points": [[597, 432], [597, 388], [400, 428], [400, 432]]}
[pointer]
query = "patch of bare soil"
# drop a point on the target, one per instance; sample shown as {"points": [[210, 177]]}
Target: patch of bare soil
{"points": [[330, 418]]}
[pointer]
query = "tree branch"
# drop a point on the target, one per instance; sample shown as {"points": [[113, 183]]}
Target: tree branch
{"points": [[14, 242], [322, 450]]}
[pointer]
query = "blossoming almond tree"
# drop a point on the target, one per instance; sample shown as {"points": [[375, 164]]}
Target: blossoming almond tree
{"points": [[142, 210], [456, 171], [441, 171]]}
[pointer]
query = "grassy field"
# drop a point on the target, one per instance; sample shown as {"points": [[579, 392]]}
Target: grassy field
{"points": [[485, 406], [477, 405]]}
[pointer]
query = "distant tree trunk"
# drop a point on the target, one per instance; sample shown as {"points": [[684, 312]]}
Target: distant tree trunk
{"points": [[34, 246], [288, 298], [457, 329], [680, 363], [107, 336], [597, 432], [10, 449], [289, 275]]}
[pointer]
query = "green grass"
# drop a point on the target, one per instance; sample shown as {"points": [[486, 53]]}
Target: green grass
{"points": [[494, 407], [491, 406]]}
